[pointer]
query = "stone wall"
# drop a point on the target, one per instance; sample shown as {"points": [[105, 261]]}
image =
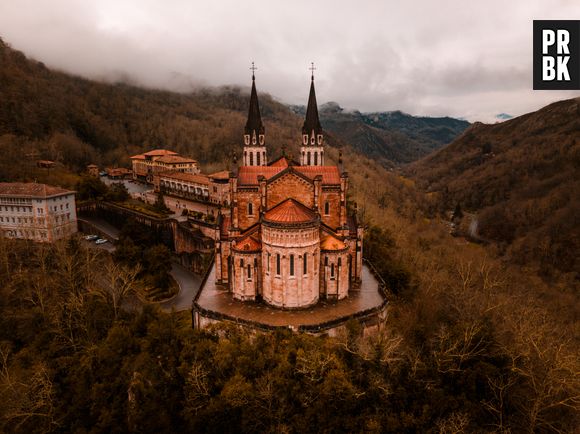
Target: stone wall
{"points": [[284, 289]]}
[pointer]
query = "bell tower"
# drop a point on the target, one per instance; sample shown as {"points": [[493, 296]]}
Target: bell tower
{"points": [[254, 133], [312, 149]]}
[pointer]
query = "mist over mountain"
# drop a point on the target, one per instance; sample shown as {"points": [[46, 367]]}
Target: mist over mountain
{"points": [[390, 137]]}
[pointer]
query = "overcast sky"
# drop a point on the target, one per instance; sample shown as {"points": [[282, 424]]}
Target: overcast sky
{"points": [[470, 59]]}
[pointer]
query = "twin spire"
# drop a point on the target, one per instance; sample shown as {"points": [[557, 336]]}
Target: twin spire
{"points": [[254, 125], [312, 149]]}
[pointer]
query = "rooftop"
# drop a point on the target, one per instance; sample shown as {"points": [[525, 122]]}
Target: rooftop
{"points": [[331, 243], [153, 153], [22, 189], [248, 243], [248, 175], [224, 174], [290, 211]]}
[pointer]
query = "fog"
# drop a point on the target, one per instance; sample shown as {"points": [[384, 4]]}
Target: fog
{"points": [[458, 58]]}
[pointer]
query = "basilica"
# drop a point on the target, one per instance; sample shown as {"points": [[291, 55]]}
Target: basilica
{"points": [[289, 240]]}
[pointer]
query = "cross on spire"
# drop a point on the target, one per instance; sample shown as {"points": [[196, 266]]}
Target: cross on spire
{"points": [[312, 69], [253, 68]]}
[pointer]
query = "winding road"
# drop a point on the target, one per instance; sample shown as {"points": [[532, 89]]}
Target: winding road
{"points": [[188, 282]]}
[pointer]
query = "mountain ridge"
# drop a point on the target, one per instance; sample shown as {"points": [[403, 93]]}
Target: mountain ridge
{"points": [[392, 137], [521, 178]]}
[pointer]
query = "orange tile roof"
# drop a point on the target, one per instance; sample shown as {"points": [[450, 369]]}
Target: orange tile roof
{"points": [[118, 170], [159, 152], [153, 153], [30, 189], [280, 162], [172, 159], [249, 244], [289, 211], [186, 177], [331, 243], [330, 174], [224, 174], [248, 175]]}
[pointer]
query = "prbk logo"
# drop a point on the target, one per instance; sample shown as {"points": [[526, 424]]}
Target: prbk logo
{"points": [[556, 55]]}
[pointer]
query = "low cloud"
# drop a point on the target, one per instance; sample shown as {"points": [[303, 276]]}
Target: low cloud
{"points": [[450, 57]]}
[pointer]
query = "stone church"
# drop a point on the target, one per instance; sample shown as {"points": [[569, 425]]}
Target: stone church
{"points": [[289, 239]]}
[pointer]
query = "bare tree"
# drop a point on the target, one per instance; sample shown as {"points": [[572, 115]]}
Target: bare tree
{"points": [[116, 283]]}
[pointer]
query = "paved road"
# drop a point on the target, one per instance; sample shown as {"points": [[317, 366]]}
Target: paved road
{"points": [[108, 229], [189, 284]]}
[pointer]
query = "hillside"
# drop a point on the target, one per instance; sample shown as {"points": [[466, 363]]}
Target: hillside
{"points": [[77, 121], [389, 137], [521, 176]]}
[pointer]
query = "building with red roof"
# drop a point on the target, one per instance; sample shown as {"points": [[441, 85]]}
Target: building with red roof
{"points": [[145, 166], [288, 239]]}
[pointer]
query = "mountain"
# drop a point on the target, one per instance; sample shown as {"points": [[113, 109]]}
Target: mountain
{"points": [[389, 137], [78, 121], [503, 116], [521, 177]]}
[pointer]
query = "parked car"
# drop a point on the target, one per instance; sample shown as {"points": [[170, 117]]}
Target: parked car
{"points": [[101, 241], [91, 237]]}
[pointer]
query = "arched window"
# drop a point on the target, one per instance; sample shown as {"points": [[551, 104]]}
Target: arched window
{"points": [[319, 137], [308, 158], [326, 208], [291, 265], [257, 158], [251, 158], [321, 157], [326, 261], [278, 264], [305, 139], [305, 270], [332, 271], [264, 157], [249, 271], [339, 262], [316, 158], [250, 209], [268, 260], [242, 263], [312, 140]]}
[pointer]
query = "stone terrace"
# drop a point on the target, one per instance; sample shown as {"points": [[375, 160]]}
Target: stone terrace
{"points": [[216, 302]]}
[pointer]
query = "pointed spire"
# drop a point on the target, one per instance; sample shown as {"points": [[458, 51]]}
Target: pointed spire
{"points": [[312, 122], [254, 124]]}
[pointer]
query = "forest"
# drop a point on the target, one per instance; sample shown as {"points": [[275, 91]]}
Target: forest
{"points": [[521, 179], [475, 340], [470, 345]]}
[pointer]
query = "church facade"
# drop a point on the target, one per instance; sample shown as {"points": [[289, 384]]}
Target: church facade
{"points": [[289, 240]]}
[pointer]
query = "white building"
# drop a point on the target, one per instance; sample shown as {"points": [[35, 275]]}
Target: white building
{"points": [[37, 212]]}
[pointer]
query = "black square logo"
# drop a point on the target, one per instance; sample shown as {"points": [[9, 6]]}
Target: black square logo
{"points": [[556, 55]]}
